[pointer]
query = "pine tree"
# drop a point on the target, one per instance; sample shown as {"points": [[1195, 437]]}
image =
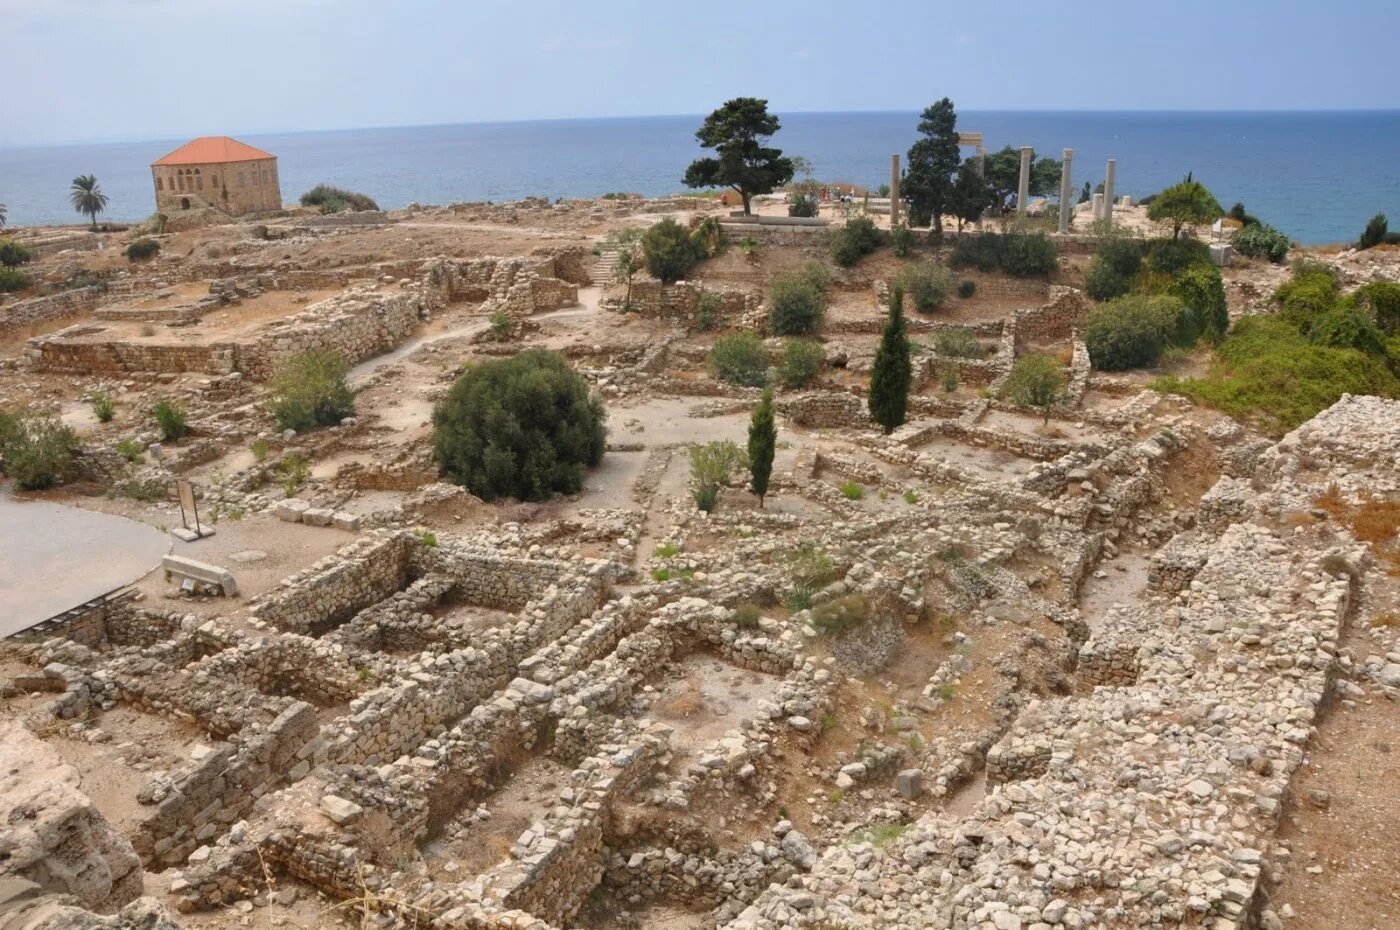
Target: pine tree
{"points": [[763, 439], [890, 378]]}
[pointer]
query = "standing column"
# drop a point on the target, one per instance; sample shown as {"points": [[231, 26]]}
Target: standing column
{"points": [[1066, 192], [1023, 189], [1108, 190], [894, 191], [981, 161]]}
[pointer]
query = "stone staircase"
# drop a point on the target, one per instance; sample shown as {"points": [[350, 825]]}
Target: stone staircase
{"points": [[605, 267]]}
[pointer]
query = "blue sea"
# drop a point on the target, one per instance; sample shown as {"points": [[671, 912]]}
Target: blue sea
{"points": [[1316, 175]]}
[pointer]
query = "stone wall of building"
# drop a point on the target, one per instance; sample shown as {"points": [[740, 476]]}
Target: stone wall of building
{"points": [[335, 588], [23, 313]]}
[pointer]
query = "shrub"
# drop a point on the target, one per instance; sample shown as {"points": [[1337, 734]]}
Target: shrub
{"points": [[843, 613], [708, 237], [1035, 381], [928, 284], [1202, 290], [1029, 255], [1259, 240], [294, 471], [260, 449], [1310, 292], [902, 240], [747, 615], [130, 450], [500, 326], [958, 342], [805, 205], [1173, 256], [1022, 255], [1266, 370], [1381, 299], [948, 379], [102, 406], [809, 569], [37, 449], [707, 312], [310, 390], [802, 363], [852, 491], [13, 254], [669, 252], [170, 419], [1375, 232], [661, 575], [852, 242], [797, 304], [12, 279], [1130, 332], [1347, 327], [141, 249], [890, 376], [1114, 268], [966, 289], [335, 199], [739, 358], [524, 426], [711, 465], [427, 537]]}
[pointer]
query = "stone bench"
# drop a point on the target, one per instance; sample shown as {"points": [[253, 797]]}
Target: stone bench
{"points": [[201, 573]]}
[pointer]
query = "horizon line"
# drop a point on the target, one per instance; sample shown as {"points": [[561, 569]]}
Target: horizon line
{"points": [[131, 140]]}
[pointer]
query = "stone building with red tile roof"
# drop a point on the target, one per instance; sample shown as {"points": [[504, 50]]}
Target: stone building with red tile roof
{"points": [[218, 172]]}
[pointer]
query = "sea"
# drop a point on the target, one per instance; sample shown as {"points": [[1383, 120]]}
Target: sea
{"points": [[1318, 176]]}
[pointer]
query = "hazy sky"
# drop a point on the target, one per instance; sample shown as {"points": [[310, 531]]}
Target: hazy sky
{"points": [[147, 69]]}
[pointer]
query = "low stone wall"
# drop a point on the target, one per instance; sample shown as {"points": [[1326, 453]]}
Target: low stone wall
{"points": [[825, 410], [357, 325], [37, 310], [334, 589], [1062, 314]]}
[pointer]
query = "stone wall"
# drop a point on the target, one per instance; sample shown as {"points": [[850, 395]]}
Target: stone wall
{"points": [[1063, 313], [22, 313], [337, 587]]}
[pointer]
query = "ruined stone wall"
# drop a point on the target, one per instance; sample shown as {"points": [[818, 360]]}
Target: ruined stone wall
{"points": [[36, 310], [356, 325], [361, 574], [1063, 313]]}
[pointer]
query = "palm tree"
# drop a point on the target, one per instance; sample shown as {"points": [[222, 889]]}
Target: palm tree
{"points": [[87, 197]]}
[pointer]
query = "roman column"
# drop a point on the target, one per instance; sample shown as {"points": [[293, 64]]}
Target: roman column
{"points": [[981, 161], [1023, 189], [1066, 192], [894, 191], [1108, 190]]}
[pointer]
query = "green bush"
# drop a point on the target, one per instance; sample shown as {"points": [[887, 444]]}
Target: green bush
{"points": [[851, 491], [170, 419], [500, 324], [1022, 255], [102, 406], [1114, 268], [669, 252], [524, 427], [1347, 327], [707, 312], [1035, 381], [809, 569], [1375, 232], [141, 249], [739, 358], [852, 242], [1173, 256], [1312, 290], [928, 284], [36, 448], [843, 613], [1130, 332], [12, 279], [1267, 371], [130, 450], [802, 363], [310, 390], [804, 205], [711, 465], [13, 254], [902, 240], [966, 289], [1202, 290], [1029, 255], [958, 342], [1259, 240], [747, 615], [797, 304], [1381, 299], [335, 199]]}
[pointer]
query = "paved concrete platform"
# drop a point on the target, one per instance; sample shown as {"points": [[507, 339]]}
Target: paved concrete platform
{"points": [[53, 557]]}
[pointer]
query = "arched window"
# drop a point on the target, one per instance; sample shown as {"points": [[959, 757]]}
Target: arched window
{"points": [[160, 184], [181, 179], [198, 181]]}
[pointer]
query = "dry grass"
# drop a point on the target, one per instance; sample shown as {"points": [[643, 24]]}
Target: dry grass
{"points": [[1373, 521], [684, 705]]}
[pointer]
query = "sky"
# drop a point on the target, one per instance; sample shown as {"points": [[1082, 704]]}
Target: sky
{"points": [[115, 70]]}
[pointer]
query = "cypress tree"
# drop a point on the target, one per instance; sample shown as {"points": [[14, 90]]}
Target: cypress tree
{"points": [[890, 378], [763, 439]]}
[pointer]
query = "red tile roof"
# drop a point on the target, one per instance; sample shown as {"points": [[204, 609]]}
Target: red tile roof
{"points": [[212, 150]]}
